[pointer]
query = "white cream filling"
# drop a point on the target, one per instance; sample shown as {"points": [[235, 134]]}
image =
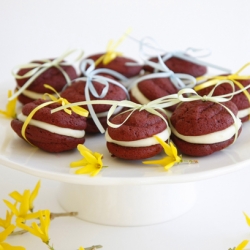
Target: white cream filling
{"points": [[211, 138], [164, 135], [52, 128], [244, 112], [138, 95]]}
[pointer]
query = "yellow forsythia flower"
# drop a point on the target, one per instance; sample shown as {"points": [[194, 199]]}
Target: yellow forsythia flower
{"points": [[171, 158], [242, 245], [23, 211], [41, 231], [247, 219], [10, 111], [7, 222], [4, 235], [91, 163], [18, 197]]}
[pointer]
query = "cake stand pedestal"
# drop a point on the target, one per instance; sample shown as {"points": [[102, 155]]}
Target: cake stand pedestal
{"points": [[122, 205]]}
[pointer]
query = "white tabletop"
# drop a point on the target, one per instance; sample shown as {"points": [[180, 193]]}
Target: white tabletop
{"points": [[32, 29]]}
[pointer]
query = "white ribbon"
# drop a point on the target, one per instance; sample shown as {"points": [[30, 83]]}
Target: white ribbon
{"points": [[38, 68]]}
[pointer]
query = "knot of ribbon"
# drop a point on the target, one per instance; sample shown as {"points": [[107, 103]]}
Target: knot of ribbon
{"points": [[91, 74], [179, 80], [235, 78], [111, 52], [36, 69], [190, 54]]}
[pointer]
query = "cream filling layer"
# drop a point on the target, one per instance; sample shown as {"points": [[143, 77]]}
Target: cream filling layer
{"points": [[244, 112], [53, 128], [138, 95], [211, 138], [164, 135]]}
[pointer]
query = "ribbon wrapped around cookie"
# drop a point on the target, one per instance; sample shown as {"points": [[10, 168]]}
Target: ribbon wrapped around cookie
{"points": [[62, 101], [208, 81], [91, 74], [153, 107], [179, 80], [38, 68], [190, 54]]}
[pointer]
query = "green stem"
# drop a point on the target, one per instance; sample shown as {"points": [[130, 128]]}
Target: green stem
{"points": [[55, 215], [50, 247], [52, 216], [93, 247]]}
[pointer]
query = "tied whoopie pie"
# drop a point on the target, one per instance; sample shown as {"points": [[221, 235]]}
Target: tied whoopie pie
{"points": [[241, 100], [52, 75], [134, 140], [51, 132], [200, 128], [76, 93]]}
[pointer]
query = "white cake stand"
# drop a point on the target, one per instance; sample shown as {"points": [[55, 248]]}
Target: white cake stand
{"points": [[127, 193]]}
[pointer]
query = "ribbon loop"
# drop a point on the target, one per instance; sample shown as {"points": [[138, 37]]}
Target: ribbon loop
{"points": [[150, 43], [91, 74], [235, 78], [38, 68]]}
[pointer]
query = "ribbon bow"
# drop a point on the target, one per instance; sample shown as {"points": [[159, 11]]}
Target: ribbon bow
{"points": [[190, 54], [111, 53], [91, 74], [179, 80], [38, 68], [233, 77]]}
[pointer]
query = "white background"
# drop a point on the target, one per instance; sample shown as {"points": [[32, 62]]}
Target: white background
{"points": [[32, 29]]}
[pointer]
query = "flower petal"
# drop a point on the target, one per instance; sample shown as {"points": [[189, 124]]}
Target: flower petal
{"points": [[7, 246], [24, 206], [11, 207], [16, 196], [4, 234], [166, 147], [247, 219], [242, 245], [34, 194], [79, 163]]}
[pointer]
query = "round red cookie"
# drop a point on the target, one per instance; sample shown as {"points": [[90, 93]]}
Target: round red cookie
{"points": [[240, 100], [198, 118], [76, 93], [51, 141], [140, 125], [178, 65], [119, 64], [52, 76], [152, 89]]}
